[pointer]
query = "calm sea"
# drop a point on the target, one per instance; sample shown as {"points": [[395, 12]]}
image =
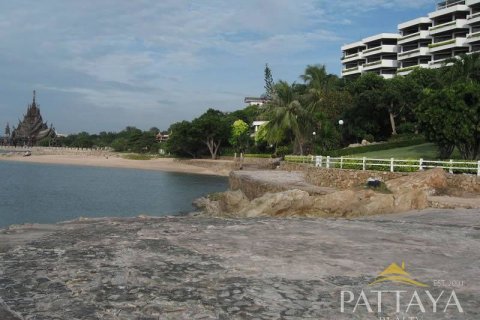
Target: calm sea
{"points": [[51, 193]]}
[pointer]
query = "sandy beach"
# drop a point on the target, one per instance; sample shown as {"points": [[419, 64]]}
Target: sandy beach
{"points": [[116, 161]]}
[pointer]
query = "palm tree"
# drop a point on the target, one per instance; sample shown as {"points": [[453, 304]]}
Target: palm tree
{"points": [[465, 68], [324, 101], [287, 117]]}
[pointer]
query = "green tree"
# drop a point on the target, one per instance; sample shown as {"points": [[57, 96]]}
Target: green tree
{"points": [[466, 68], [325, 102], [269, 84], [184, 140], [288, 119], [451, 117], [239, 136], [368, 114], [214, 129]]}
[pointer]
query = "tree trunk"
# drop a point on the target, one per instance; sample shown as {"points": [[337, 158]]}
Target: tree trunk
{"points": [[213, 147], [392, 122]]}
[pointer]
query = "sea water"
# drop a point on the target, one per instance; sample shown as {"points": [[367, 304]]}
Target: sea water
{"points": [[44, 193]]}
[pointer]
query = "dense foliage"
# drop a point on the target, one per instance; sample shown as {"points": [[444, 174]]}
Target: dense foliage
{"points": [[323, 114], [130, 139]]}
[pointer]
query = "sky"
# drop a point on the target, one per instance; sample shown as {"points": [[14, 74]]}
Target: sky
{"points": [[102, 65]]}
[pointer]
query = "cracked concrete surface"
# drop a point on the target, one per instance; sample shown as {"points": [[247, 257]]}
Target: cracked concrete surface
{"points": [[208, 268]]}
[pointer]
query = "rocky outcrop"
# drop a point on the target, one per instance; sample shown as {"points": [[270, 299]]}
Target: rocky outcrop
{"points": [[403, 194], [255, 184]]}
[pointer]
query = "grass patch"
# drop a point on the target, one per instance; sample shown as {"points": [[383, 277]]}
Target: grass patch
{"points": [[137, 156], [377, 147], [424, 151]]}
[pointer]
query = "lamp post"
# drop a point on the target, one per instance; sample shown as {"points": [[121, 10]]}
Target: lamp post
{"points": [[340, 124], [314, 134]]}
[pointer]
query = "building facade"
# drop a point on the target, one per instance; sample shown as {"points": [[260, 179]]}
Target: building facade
{"points": [[449, 31]]}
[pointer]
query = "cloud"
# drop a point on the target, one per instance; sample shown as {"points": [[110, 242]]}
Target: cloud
{"points": [[157, 57]]}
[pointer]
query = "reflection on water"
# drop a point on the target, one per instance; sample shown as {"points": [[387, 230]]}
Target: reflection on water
{"points": [[51, 193]]}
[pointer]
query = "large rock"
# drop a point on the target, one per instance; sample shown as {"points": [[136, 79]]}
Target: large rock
{"points": [[351, 203], [427, 181], [222, 203], [291, 202], [412, 191], [403, 194]]}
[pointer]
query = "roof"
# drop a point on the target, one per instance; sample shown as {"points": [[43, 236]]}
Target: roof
{"points": [[414, 22], [353, 45], [256, 99], [381, 36]]}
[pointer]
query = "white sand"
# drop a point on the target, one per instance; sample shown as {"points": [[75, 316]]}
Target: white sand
{"points": [[115, 161]]}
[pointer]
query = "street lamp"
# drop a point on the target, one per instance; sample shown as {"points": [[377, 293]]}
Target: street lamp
{"points": [[340, 122]]}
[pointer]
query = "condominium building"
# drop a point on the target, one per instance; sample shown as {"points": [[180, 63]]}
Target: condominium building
{"points": [[451, 30], [414, 44], [473, 37]]}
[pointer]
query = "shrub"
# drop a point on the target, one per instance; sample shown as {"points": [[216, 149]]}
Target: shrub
{"points": [[369, 138], [282, 151]]}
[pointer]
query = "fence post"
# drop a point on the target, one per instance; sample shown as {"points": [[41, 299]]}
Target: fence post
{"points": [[235, 156], [318, 161], [421, 165], [341, 162], [364, 163], [451, 166], [478, 169], [392, 166], [321, 160], [328, 162]]}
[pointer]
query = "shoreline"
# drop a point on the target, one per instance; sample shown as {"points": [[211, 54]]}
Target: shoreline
{"points": [[116, 161]]}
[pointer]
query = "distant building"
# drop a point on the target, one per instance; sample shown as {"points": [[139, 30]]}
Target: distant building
{"points": [[256, 126], [253, 101], [449, 31], [32, 128], [162, 137]]}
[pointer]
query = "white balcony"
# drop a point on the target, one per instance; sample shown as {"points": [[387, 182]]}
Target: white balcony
{"points": [[414, 22], [474, 18], [473, 37], [352, 57], [449, 11], [388, 76], [414, 53], [407, 70], [437, 64], [452, 25], [386, 48], [472, 2], [351, 71], [449, 44], [422, 35], [354, 45], [380, 64]]}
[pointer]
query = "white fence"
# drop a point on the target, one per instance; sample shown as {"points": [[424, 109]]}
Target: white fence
{"points": [[392, 165]]}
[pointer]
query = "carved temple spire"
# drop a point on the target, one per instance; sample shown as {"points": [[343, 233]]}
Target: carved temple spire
{"points": [[34, 96]]}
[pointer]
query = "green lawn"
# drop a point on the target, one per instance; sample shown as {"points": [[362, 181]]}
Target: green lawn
{"points": [[427, 151]]}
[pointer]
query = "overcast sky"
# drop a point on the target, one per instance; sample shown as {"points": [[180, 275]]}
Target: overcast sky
{"points": [[105, 64]]}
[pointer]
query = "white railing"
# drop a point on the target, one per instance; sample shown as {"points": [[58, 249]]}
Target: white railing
{"points": [[392, 165]]}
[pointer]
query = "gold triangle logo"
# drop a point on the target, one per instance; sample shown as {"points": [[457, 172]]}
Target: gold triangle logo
{"points": [[397, 274]]}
